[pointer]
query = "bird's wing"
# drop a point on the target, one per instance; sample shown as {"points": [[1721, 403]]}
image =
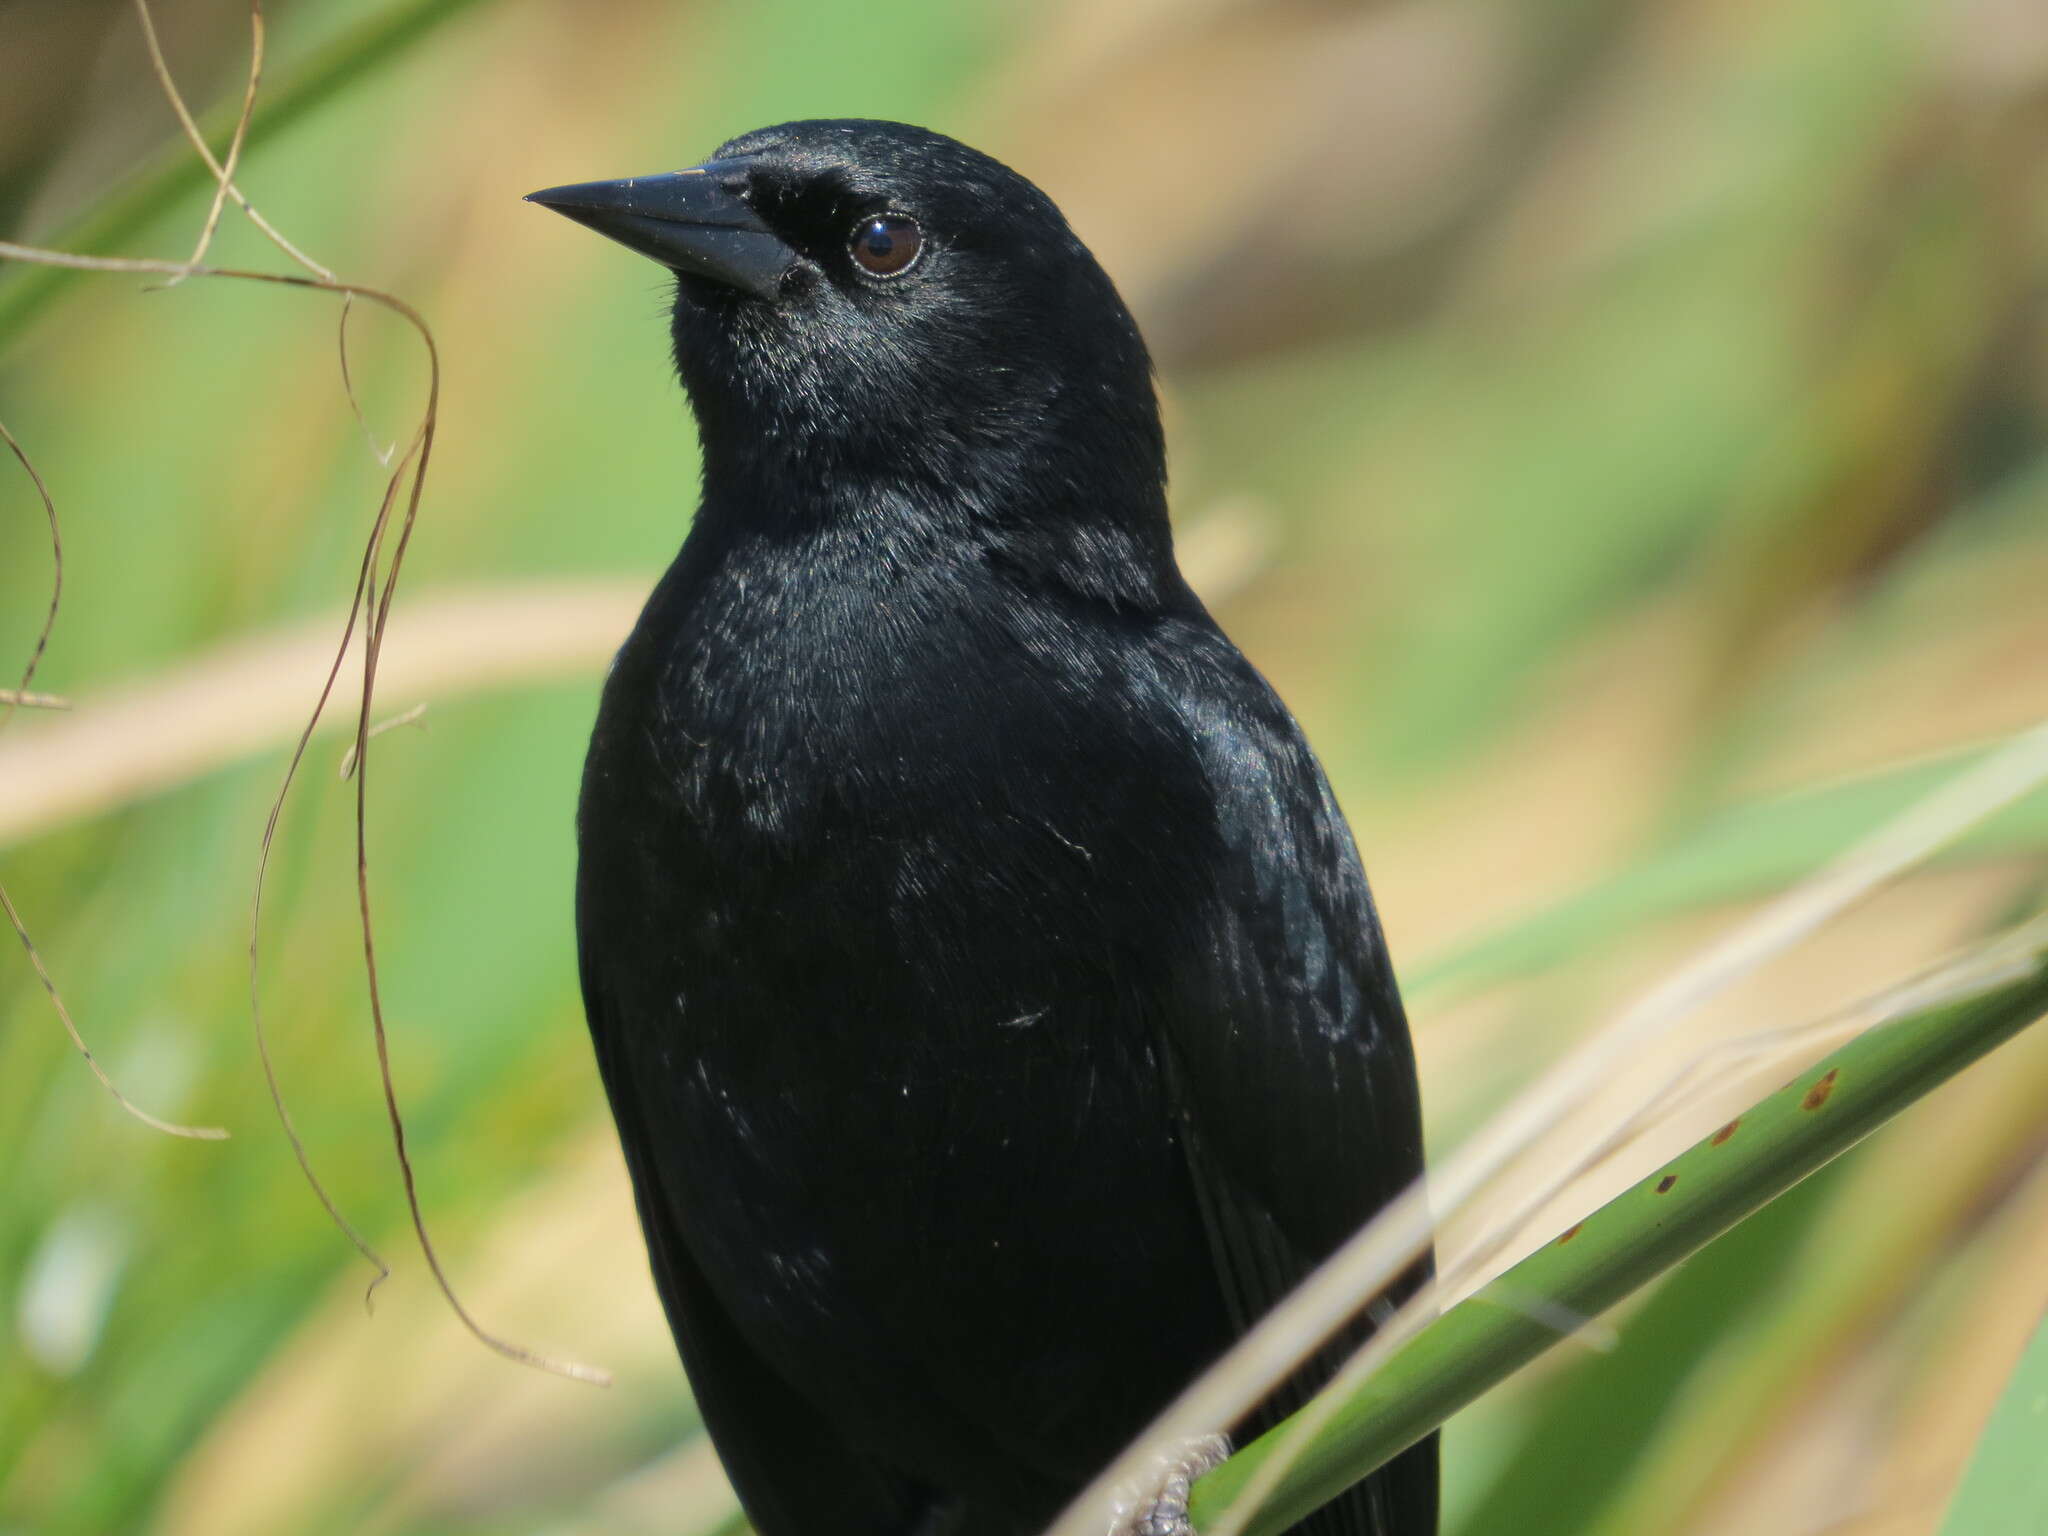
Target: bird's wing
{"points": [[1290, 1058], [794, 1472]]}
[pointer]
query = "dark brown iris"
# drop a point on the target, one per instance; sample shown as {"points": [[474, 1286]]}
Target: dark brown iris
{"points": [[887, 245]]}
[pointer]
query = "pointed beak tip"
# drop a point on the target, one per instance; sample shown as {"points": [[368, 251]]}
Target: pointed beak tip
{"points": [[687, 221]]}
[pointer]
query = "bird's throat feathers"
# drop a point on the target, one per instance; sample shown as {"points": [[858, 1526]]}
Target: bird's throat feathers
{"points": [[1059, 484]]}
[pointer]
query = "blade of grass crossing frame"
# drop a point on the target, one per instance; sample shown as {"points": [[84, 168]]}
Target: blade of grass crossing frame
{"points": [[1660, 1221]]}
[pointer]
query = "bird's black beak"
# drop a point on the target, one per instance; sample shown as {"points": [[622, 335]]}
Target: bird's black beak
{"points": [[687, 220]]}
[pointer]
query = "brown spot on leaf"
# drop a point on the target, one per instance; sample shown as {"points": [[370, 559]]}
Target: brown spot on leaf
{"points": [[1726, 1131], [1817, 1095], [1664, 1184], [1569, 1233]]}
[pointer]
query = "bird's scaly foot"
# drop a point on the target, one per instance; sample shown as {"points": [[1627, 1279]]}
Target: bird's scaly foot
{"points": [[1159, 1507]]}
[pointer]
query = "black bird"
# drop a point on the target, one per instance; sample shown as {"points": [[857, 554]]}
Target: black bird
{"points": [[981, 972]]}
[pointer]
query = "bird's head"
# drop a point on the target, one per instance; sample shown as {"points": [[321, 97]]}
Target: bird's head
{"points": [[876, 300]]}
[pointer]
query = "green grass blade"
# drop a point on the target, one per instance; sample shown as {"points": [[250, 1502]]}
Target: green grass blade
{"points": [[1660, 1221], [1625, 1399], [175, 171], [2005, 1492]]}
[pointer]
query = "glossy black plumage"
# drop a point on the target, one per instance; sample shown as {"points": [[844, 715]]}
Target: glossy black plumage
{"points": [[983, 978]]}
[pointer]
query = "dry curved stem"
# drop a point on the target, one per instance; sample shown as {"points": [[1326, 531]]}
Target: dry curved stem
{"points": [[223, 175], [415, 457], [412, 716], [276, 813], [168, 1127], [20, 694], [348, 386], [225, 188], [373, 598], [12, 700], [226, 178]]}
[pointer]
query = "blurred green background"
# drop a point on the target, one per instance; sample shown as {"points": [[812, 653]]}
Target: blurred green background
{"points": [[1617, 427]]}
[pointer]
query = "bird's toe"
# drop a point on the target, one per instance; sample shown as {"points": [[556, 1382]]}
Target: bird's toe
{"points": [[1160, 1507]]}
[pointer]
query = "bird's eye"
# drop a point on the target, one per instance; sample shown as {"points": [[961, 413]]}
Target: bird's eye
{"points": [[887, 245]]}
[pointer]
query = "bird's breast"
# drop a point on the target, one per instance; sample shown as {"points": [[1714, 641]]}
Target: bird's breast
{"points": [[889, 894], [888, 812]]}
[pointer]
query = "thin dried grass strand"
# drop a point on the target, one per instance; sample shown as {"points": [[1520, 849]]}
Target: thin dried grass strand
{"points": [[220, 172], [35, 959], [225, 187], [21, 695], [381, 608], [373, 642], [226, 178], [13, 699], [37, 254], [262, 1033], [348, 386], [411, 716]]}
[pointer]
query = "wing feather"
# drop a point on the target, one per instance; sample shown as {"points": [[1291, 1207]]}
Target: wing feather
{"points": [[1292, 1067]]}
